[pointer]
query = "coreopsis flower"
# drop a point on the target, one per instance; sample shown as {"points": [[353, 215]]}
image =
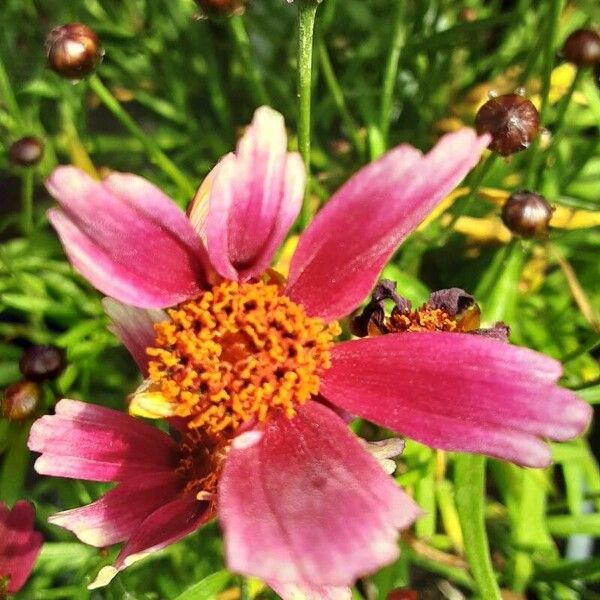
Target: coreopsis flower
{"points": [[246, 362], [20, 546]]}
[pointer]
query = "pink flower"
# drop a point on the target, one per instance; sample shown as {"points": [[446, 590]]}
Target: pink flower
{"points": [[20, 545], [247, 358]]}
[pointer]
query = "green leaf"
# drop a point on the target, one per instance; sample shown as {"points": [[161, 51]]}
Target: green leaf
{"points": [[208, 588]]}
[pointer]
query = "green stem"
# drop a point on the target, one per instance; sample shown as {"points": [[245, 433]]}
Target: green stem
{"points": [[242, 41], [469, 479], [391, 70], [338, 96], [554, 13], [244, 589], [307, 13], [475, 184], [156, 155], [27, 201], [588, 346]]}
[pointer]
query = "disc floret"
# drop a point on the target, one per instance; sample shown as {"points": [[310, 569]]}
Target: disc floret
{"points": [[238, 353]]}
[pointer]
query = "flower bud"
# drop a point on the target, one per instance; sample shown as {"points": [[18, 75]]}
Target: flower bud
{"points": [[21, 400], [527, 214], [512, 121], [73, 50], [222, 7], [582, 48], [403, 594], [26, 152], [39, 363]]}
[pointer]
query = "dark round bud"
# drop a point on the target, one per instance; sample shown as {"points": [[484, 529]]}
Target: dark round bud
{"points": [[403, 594], [21, 400], [26, 152], [73, 50], [582, 48], [527, 214], [512, 121], [222, 7], [39, 363]]}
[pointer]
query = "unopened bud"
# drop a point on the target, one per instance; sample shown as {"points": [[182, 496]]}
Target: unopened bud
{"points": [[512, 121], [26, 152], [403, 594], [222, 7], [39, 363], [582, 48], [527, 214], [73, 50], [21, 400]]}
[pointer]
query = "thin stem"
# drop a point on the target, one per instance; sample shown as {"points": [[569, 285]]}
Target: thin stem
{"points": [[156, 155], [27, 201], [554, 13], [391, 70], [588, 346], [242, 41], [244, 589], [470, 503], [338, 96], [307, 12], [478, 178]]}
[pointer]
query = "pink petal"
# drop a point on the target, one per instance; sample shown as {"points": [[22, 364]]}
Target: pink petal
{"points": [[306, 504], [342, 252], [166, 525], [83, 441], [310, 592], [20, 545], [134, 327], [457, 392], [129, 239], [119, 512], [256, 195]]}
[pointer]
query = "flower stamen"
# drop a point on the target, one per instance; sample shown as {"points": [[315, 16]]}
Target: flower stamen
{"points": [[238, 352]]}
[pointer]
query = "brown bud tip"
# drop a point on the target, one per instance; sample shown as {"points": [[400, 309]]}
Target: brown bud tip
{"points": [[39, 363], [512, 121], [73, 50], [26, 152], [468, 14], [582, 48], [527, 214], [222, 7], [403, 594], [21, 400]]}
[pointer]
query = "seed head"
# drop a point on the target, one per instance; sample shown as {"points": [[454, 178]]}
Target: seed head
{"points": [[39, 363], [527, 214], [26, 152], [222, 7], [582, 48], [21, 400], [403, 594], [73, 50], [512, 121]]}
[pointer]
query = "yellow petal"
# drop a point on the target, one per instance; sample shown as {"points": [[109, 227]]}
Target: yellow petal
{"points": [[567, 218]]}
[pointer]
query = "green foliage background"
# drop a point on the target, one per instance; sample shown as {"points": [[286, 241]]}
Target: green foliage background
{"points": [[190, 84]]}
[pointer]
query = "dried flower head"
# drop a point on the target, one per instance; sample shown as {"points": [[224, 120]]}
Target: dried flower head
{"points": [[21, 400], [527, 214], [511, 119], [42, 362], [582, 48], [26, 152], [73, 50]]}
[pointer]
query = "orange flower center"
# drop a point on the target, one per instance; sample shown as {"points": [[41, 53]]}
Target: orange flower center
{"points": [[237, 353]]}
